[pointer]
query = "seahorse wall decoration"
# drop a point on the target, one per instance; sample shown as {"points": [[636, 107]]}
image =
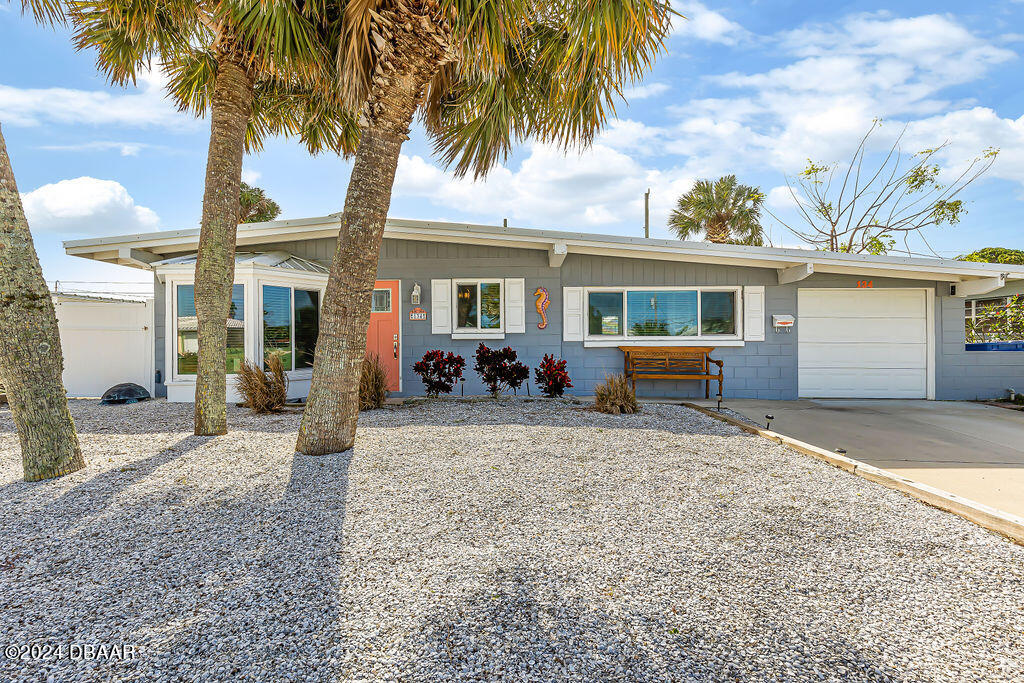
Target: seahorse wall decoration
{"points": [[543, 301]]}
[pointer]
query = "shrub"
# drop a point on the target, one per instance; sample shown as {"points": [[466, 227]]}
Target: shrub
{"points": [[264, 392], [373, 383], [439, 372], [551, 376], [499, 367], [615, 396]]}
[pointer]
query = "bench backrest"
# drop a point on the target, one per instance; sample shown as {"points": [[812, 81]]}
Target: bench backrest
{"points": [[680, 360]]}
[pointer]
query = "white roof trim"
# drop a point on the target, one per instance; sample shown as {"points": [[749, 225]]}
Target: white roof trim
{"points": [[176, 241]]}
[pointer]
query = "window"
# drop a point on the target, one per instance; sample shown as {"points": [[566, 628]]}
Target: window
{"points": [[662, 313], [291, 325], [478, 305], [381, 301], [187, 330], [718, 313], [307, 326], [605, 313], [277, 324], [999, 319]]}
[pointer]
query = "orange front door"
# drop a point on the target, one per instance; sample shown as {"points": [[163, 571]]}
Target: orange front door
{"points": [[382, 337]]}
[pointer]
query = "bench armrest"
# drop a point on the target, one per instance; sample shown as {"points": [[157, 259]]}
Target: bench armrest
{"points": [[716, 362]]}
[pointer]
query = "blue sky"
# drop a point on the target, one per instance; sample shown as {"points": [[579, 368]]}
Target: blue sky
{"points": [[752, 88]]}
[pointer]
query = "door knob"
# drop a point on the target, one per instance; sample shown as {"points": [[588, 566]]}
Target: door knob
{"points": [[396, 348]]}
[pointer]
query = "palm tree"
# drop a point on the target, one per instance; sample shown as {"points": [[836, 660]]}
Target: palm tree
{"points": [[260, 69], [31, 362], [482, 74], [722, 211], [255, 206]]}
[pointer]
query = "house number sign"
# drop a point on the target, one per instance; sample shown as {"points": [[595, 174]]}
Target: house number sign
{"points": [[865, 284], [417, 314]]}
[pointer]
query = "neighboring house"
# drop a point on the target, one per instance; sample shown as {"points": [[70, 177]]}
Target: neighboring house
{"points": [[865, 326], [106, 339]]}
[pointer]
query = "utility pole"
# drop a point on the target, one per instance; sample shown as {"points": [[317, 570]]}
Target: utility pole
{"points": [[647, 213]]}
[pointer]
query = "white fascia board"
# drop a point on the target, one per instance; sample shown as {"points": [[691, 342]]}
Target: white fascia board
{"points": [[795, 273]]}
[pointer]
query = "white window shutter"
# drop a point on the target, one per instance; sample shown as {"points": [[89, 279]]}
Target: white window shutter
{"points": [[515, 304], [440, 306], [753, 313], [572, 313]]}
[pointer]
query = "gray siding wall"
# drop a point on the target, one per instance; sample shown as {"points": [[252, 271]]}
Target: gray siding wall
{"points": [[971, 375], [766, 370]]}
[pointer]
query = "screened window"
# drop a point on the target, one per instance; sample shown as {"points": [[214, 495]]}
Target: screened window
{"points": [[187, 330], [307, 326], [277, 324], [291, 325], [664, 313], [478, 305], [381, 301]]}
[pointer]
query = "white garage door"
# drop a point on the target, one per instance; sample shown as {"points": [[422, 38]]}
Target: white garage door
{"points": [[863, 343]]}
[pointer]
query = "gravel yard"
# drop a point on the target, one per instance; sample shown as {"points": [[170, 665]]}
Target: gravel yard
{"points": [[481, 540]]}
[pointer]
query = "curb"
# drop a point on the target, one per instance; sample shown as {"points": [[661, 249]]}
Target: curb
{"points": [[1004, 523]]}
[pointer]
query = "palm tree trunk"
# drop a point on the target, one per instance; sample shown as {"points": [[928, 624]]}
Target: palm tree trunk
{"points": [[231, 109], [332, 408], [31, 363], [718, 231]]}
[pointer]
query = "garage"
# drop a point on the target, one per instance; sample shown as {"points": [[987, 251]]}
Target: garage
{"points": [[863, 343]]}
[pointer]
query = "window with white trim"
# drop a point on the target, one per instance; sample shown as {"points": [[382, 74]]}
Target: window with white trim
{"points": [[291, 324], [995, 319], [478, 305], [186, 330], [662, 313]]}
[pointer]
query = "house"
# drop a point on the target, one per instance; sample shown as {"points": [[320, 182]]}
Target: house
{"points": [[863, 326]]}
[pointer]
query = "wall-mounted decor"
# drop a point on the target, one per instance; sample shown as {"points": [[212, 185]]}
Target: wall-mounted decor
{"points": [[417, 314], [543, 301]]}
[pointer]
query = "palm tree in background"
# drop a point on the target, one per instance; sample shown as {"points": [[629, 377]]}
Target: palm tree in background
{"points": [[482, 75], [721, 211], [255, 206], [31, 362], [260, 69]]}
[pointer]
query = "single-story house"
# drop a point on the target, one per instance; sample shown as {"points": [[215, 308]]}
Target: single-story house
{"points": [[787, 323]]}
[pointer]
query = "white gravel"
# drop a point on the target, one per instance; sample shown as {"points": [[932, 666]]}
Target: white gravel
{"points": [[484, 540]]}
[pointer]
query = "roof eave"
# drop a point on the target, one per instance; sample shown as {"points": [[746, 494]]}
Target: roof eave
{"points": [[140, 247]]}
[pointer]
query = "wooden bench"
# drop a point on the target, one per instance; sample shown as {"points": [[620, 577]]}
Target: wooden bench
{"points": [[672, 362]]}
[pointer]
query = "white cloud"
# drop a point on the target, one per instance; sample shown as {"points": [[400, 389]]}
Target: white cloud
{"points": [[642, 92], [597, 189], [779, 198], [143, 107], [86, 206], [705, 24], [126, 149], [250, 176], [840, 78]]}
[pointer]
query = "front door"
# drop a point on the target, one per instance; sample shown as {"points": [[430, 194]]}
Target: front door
{"points": [[382, 337]]}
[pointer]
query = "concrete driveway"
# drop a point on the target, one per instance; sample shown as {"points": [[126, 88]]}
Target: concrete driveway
{"points": [[973, 450]]}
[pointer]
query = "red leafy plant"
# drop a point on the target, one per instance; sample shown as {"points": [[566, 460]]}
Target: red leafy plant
{"points": [[439, 372], [499, 367], [552, 377]]}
